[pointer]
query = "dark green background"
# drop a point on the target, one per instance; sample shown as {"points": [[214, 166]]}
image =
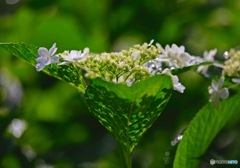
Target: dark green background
{"points": [[60, 130]]}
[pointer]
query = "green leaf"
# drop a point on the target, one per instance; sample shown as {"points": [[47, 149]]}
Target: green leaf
{"points": [[202, 130], [128, 112], [27, 52]]}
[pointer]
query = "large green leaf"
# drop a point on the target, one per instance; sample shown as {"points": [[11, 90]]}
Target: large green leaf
{"points": [[128, 112], [202, 130], [28, 53]]}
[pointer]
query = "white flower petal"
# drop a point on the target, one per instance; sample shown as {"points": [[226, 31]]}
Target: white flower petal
{"points": [[236, 80], [151, 42], [220, 83], [39, 67], [42, 60], [55, 59], [214, 85], [179, 87], [209, 55], [52, 50], [224, 93], [176, 84], [43, 52]]}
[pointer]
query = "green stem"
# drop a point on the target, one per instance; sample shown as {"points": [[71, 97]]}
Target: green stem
{"points": [[126, 157], [82, 86]]}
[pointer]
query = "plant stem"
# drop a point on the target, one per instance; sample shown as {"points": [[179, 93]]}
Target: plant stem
{"points": [[126, 157]]}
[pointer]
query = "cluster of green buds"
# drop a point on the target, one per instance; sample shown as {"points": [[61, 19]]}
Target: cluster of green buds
{"points": [[125, 66], [232, 64]]}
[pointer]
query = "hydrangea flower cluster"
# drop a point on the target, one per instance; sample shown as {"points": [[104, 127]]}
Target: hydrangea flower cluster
{"points": [[142, 61], [126, 66], [120, 67]]}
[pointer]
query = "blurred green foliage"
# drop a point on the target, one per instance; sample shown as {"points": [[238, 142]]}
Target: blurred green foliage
{"points": [[59, 130]]}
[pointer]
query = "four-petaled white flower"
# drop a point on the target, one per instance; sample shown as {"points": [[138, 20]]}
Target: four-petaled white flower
{"points": [[217, 91], [176, 56], [176, 84], [74, 55], [208, 56], [46, 57]]}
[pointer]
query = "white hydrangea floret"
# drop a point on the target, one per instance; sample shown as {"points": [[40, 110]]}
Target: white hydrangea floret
{"points": [[208, 56], [217, 92], [74, 55], [176, 84], [46, 57], [175, 56]]}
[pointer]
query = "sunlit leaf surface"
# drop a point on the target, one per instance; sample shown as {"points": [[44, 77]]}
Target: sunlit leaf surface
{"points": [[28, 52], [128, 112], [202, 130]]}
